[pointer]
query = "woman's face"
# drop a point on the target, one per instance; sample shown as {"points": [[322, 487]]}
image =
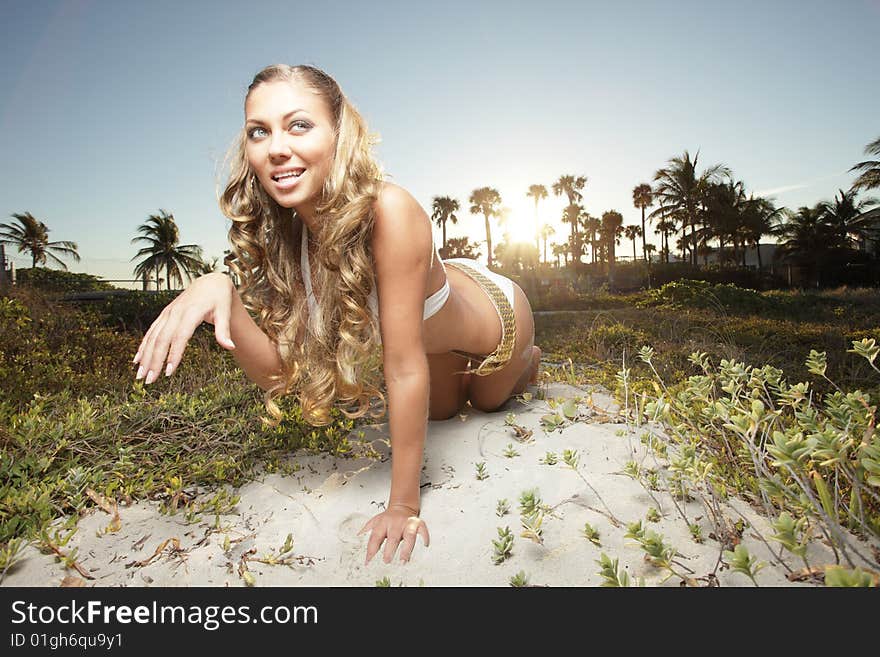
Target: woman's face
{"points": [[289, 132]]}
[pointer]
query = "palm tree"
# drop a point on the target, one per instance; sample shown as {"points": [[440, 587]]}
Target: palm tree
{"points": [[573, 215], [847, 218], [560, 250], [759, 216], [592, 226], [546, 231], [666, 226], [537, 192], [643, 197], [649, 249], [571, 186], [461, 247], [486, 200], [162, 236], [31, 234], [444, 209], [573, 254], [612, 229], [208, 267], [870, 176], [633, 232], [680, 191], [805, 238], [515, 256], [724, 204]]}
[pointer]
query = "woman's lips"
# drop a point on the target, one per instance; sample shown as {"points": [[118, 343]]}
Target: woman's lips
{"points": [[289, 182]]}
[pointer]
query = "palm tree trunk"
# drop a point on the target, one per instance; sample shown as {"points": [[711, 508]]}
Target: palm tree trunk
{"points": [[537, 228], [758, 250], [444, 234], [644, 255], [488, 241], [634, 250]]}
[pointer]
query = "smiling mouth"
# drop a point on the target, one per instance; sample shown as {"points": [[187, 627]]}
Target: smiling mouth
{"points": [[288, 175]]}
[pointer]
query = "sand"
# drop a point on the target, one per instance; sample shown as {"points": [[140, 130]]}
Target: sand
{"points": [[328, 499]]}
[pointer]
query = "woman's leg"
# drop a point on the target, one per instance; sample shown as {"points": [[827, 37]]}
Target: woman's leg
{"points": [[449, 390], [488, 393]]}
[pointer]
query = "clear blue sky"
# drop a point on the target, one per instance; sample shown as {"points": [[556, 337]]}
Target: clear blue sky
{"points": [[112, 110]]}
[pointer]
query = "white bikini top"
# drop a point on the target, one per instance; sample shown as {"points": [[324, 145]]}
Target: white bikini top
{"points": [[432, 304]]}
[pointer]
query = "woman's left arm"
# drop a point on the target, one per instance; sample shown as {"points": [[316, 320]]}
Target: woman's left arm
{"points": [[402, 248]]}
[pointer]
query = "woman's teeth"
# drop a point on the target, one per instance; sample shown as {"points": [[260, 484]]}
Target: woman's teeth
{"points": [[291, 174]]}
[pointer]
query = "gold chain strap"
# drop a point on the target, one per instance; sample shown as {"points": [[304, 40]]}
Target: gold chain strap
{"points": [[501, 356]]}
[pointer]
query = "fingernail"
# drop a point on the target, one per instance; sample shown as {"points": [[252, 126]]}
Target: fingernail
{"points": [[136, 356], [150, 377], [140, 372], [168, 369]]}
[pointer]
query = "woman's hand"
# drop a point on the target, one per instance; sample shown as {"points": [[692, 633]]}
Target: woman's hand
{"points": [[396, 524], [207, 299]]}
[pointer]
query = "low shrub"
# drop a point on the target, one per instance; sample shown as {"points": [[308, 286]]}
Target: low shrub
{"points": [[56, 280], [746, 430], [700, 294], [46, 348], [133, 311], [151, 444]]}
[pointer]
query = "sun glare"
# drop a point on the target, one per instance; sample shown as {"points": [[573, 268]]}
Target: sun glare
{"points": [[520, 222]]}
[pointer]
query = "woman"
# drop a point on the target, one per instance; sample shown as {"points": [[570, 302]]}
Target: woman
{"points": [[334, 262]]}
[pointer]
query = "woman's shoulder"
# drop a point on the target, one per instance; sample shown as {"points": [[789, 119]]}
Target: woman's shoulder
{"points": [[399, 216], [393, 199]]}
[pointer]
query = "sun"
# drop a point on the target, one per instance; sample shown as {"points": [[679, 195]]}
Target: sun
{"points": [[518, 222]]}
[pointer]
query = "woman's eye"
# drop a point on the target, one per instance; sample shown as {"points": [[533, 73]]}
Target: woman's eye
{"points": [[252, 132], [300, 125]]}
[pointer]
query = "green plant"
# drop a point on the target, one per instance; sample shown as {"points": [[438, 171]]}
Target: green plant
{"points": [[503, 546], [746, 430], [10, 554], [530, 501], [502, 508], [591, 534], [657, 551], [531, 526], [520, 579], [840, 576], [743, 562], [612, 575], [792, 534], [481, 471]]}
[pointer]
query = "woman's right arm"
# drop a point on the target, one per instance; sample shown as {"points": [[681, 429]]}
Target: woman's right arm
{"points": [[213, 299], [255, 352]]}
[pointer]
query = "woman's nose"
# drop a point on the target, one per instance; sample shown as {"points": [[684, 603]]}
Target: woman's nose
{"points": [[278, 147]]}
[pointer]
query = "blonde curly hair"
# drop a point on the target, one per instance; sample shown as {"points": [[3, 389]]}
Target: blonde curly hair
{"points": [[336, 362]]}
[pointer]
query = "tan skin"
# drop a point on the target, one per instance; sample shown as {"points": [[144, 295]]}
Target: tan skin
{"points": [[290, 127]]}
